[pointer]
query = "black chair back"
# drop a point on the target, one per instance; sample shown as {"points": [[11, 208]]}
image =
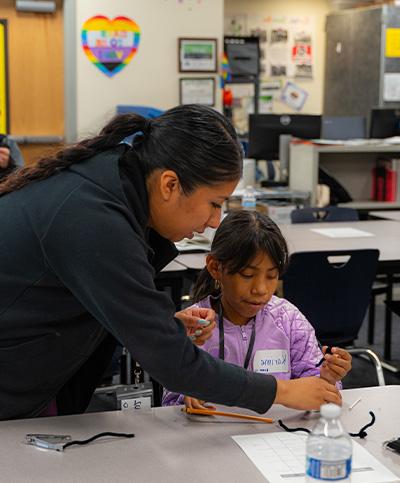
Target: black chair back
{"points": [[332, 289], [328, 213]]}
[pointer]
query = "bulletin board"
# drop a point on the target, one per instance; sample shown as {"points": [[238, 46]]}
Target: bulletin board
{"points": [[3, 77]]}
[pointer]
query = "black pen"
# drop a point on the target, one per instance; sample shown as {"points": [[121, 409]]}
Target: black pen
{"points": [[328, 351]]}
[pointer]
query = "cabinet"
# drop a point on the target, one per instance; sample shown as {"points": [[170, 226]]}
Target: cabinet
{"points": [[350, 165]]}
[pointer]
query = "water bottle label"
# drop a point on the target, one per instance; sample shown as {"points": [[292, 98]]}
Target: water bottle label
{"points": [[328, 470]]}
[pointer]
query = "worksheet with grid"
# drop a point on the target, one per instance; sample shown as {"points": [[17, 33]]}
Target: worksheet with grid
{"points": [[281, 458]]}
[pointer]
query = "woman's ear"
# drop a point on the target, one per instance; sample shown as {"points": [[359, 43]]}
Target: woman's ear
{"points": [[169, 184], [214, 267]]}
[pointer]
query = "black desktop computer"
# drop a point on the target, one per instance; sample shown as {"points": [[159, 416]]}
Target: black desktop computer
{"points": [[265, 129], [385, 123]]}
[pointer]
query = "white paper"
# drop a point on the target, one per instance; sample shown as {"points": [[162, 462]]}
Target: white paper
{"points": [[391, 87], [342, 232], [281, 458]]}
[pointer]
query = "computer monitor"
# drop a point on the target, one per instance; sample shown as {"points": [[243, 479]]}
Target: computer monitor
{"points": [[265, 129], [343, 127], [385, 123]]}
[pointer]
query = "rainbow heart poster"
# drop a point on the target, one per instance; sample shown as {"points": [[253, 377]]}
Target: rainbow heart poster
{"points": [[110, 44]]}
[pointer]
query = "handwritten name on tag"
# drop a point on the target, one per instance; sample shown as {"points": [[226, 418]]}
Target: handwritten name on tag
{"points": [[271, 361]]}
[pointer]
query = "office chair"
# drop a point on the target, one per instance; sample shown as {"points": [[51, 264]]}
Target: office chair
{"points": [[328, 213], [332, 289]]}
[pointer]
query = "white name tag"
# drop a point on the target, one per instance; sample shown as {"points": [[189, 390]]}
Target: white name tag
{"points": [[271, 361], [136, 403]]}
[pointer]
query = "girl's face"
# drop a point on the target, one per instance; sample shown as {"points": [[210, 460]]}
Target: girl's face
{"points": [[246, 292], [175, 215]]}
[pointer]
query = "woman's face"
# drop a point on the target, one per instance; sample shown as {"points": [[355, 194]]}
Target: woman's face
{"points": [[175, 215]]}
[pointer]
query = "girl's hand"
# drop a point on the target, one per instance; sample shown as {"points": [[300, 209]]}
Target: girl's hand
{"points": [[336, 365], [193, 403], [199, 323], [306, 393]]}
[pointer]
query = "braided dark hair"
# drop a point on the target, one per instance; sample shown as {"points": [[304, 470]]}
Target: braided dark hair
{"points": [[195, 141], [237, 240]]}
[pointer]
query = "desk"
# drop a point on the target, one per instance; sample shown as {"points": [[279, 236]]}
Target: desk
{"points": [[393, 215], [173, 448], [350, 165]]}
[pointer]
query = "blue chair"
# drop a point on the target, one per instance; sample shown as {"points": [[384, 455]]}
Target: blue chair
{"points": [[327, 213], [145, 111], [332, 289]]}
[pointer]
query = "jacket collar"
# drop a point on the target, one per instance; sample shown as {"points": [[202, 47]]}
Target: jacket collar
{"points": [[118, 171]]}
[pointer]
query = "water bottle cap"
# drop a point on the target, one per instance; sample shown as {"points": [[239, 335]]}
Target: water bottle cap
{"points": [[330, 411]]}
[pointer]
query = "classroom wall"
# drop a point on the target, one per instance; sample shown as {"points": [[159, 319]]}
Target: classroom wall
{"points": [[257, 9], [152, 77]]}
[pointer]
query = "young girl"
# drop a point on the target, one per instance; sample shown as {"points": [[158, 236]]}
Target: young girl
{"points": [[256, 329]]}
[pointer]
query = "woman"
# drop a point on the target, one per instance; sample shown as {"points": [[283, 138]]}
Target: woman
{"points": [[87, 230]]}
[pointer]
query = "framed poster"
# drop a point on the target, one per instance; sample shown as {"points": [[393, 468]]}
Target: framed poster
{"points": [[3, 78], [200, 90], [197, 55]]}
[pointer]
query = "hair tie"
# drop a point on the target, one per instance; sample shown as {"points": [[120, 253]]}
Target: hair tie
{"points": [[133, 139]]}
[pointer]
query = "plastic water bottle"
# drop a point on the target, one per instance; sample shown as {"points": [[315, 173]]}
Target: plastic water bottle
{"points": [[329, 448], [249, 200]]}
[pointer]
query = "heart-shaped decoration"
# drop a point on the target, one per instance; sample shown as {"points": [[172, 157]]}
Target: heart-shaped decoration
{"points": [[110, 44]]}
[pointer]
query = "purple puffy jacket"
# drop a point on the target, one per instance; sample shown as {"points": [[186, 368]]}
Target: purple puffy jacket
{"points": [[285, 345]]}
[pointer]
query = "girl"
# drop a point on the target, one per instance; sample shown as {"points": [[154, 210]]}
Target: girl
{"points": [[256, 329]]}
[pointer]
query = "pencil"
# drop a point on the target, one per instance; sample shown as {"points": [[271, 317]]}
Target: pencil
{"points": [[210, 412]]}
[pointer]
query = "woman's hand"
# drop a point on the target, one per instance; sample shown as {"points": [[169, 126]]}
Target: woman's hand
{"points": [[306, 393], [199, 323], [193, 403], [336, 365]]}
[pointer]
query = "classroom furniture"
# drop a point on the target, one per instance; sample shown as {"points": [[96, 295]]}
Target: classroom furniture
{"points": [[327, 213], [175, 447], [335, 213], [393, 215], [350, 165], [385, 236], [332, 289]]}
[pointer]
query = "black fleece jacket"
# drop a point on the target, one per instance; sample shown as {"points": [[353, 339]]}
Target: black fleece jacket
{"points": [[76, 265]]}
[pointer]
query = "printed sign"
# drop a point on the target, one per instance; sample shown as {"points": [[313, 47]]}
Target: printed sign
{"points": [[110, 44]]}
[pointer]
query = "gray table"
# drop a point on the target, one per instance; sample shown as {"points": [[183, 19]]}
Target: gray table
{"points": [[393, 215], [171, 447]]}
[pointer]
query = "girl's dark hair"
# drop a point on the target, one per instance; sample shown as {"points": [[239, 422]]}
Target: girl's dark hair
{"points": [[196, 142], [240, 236]]}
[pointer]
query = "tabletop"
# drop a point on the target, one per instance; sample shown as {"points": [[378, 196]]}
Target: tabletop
{"points": [[386, 214], [172, 447]]}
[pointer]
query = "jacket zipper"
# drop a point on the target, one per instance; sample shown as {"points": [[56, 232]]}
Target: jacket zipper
{"points": [[244, 339]]}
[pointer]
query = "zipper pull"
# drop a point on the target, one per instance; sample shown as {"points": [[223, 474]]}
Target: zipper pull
{"points": [[244, 335]]}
